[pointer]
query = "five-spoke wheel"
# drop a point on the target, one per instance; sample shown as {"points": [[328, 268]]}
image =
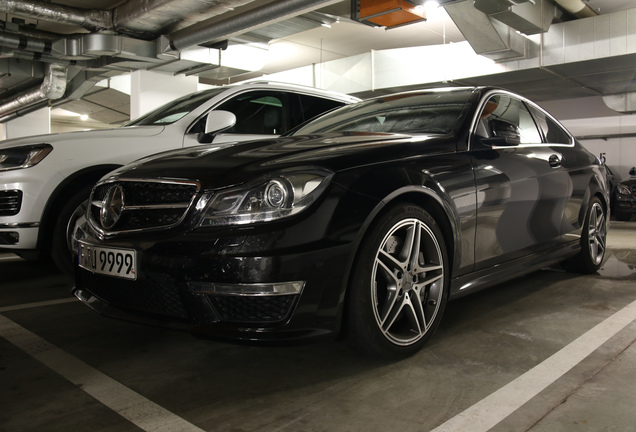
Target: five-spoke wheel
{"points": [[400, 284]]}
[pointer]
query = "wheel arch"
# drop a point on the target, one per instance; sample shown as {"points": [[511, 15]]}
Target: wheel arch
{"points": [[70, 184]]}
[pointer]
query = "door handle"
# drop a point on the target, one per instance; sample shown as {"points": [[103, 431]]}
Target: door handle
{"points": [[555, 160]]}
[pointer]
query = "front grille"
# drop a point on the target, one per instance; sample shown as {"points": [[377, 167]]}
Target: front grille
{"points": [[10, 202], [253, 309], [154, 294], [143, 205]]}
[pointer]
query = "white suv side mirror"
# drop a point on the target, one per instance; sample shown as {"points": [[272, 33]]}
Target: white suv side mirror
{"points": [[218, 121]]}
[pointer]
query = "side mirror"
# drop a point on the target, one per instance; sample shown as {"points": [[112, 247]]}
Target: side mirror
{"points": [[508, 131], [218, 121], [632, 172]]}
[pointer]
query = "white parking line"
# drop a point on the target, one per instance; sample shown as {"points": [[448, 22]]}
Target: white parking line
{"points": [[10, 257], [491, 410], [37, 304], [131, 405]]}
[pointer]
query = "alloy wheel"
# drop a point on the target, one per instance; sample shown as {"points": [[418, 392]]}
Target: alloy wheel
{"points": [[407, 282], [597, 233]]}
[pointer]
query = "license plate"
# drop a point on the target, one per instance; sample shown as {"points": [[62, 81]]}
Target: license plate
{"points": [[109, 261]]}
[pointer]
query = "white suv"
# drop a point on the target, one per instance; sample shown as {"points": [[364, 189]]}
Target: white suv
{"points": [[45, 180]]}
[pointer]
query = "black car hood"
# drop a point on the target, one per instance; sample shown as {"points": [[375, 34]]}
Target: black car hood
{"points": [[629, 182], [230, 164]]}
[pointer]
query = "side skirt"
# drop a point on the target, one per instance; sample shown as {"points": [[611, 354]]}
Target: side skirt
{"points": [[499, 273]]}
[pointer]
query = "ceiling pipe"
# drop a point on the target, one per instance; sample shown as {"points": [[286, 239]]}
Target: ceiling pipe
{"points": [[209, 31], [90, 19], [577, 8], [140, 18], [146, 18], [53, 87], [23, 43]]}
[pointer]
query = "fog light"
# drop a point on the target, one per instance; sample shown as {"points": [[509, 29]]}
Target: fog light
{"points": [[9, 238], [255, 289]]}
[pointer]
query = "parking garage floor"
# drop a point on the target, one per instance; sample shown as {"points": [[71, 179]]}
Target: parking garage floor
{"points": [[548, 352]]}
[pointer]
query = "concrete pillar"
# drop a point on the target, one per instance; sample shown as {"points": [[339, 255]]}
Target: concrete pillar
{"points": [[150, 89], [35, 123]]}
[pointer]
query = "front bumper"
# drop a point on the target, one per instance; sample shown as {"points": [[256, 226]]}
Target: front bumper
{"points": [[23, 196], [625, 203], [232, 288]]}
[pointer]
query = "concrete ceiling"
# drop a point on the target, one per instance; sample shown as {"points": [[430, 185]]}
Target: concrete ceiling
{"points": [[84, 47]]}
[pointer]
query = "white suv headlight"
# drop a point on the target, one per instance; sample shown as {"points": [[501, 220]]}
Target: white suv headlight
{"points": [[266, 199], [23, 157]]}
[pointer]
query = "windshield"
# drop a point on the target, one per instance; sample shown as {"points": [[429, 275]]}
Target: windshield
{"points": [[175, 110], [428, 112]]}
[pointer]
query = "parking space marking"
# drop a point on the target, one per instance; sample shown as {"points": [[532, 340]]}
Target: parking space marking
{"points": [[135, 408], [37, 304], [10, 257], [491, 410]]}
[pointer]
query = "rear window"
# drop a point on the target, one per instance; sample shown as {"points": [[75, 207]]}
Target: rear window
{"points": [[431, 112]]}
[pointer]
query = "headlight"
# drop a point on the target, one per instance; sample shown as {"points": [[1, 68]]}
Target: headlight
{"points": [[266, 199], [623, 190], [23, 157]]}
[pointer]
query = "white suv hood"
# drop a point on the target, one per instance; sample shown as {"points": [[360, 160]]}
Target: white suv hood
{"points": [[87, 136]]}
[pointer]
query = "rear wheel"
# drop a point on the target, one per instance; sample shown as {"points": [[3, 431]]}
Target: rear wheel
{"points": [[399, 286], [593, 240]]}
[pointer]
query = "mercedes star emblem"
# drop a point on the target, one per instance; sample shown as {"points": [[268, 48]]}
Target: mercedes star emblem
{"points": [[112, 206]]}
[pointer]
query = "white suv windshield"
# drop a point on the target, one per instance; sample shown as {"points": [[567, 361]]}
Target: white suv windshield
{"points": [[175, 110]]}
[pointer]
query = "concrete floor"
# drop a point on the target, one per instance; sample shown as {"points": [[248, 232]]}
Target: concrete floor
{"points": [[548, 352]]}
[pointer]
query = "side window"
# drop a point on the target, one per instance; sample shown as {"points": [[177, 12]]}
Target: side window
{"points": [[553, 133], [260, 112], [505, 116], [313, 106]]}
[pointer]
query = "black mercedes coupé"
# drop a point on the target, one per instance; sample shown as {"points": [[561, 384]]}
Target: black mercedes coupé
{"points": [[361, 223]]}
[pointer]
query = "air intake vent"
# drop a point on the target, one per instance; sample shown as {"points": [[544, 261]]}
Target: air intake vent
{"points": [[10, 202]]}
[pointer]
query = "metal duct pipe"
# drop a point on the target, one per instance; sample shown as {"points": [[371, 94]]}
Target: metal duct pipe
{"points": [[53, 87], [577, 8], [142, 18], [147, 17], [207, 31], [90, 19], [22, 43]]}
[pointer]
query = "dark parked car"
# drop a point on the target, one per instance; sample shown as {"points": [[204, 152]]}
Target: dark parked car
{"points": [[624, 201], [364, 222]]}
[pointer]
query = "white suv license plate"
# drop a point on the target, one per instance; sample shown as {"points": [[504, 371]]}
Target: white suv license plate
{"points": [[120, 263]]}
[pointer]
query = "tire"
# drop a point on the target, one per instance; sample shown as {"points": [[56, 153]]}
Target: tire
{"points": [[399, 285], [593, 240], [623, 217], [61, 243]]}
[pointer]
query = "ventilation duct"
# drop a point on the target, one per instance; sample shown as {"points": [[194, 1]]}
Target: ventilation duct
{"points": [[487, 37], [140, 18], [624, 103], [145, 18], [525, 16], [15, 42], [90, 19], [577, 8], [209, 31], [53, 87]]}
